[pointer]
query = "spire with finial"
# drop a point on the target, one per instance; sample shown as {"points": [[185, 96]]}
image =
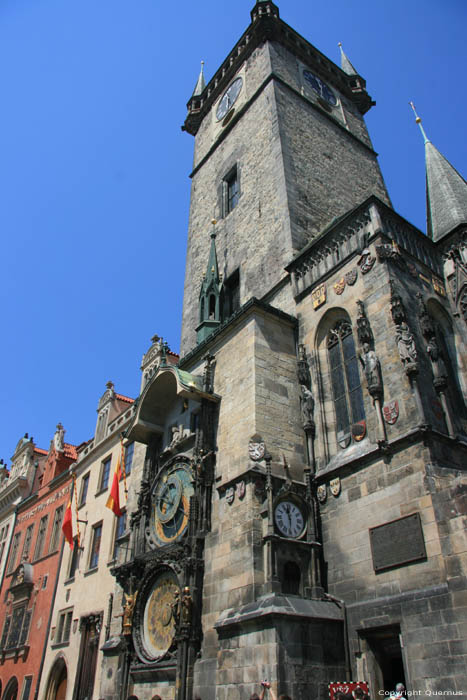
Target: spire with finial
{"points": [[346, 65], [201, 83], [210, 293], [446, 191]]}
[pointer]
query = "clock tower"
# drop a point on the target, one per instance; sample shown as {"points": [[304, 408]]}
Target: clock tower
{"points": [[281, 150]]}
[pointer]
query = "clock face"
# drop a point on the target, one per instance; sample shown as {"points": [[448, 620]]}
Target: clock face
{"points": [[320, 87], [289, 519], [171, 503], [229, 98], [159, 624]]}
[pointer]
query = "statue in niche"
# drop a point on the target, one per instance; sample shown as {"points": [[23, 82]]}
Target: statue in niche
{"points": [[364, 332], [437, 363], [307, 403], [303, 369], [186, 606], [406, 345], [127, 615], [372, 369]]}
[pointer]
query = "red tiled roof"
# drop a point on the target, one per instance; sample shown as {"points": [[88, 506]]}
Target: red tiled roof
{"points": [[70, 451], [120, 397], [41, 451]]}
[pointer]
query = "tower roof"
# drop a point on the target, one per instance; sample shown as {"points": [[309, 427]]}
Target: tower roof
{"points": [[346, 65], [446, 191], [201, 83]]}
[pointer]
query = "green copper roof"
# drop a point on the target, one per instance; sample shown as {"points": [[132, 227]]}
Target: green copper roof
{"points": [[346, 66]]}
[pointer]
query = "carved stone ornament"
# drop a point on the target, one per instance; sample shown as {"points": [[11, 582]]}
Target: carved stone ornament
{"points": [[397, 307], [230, 495], [438, 286], [366, 261], [426, 280], [364, 332], [59, 442], [107, 396], [321, 493], [241, 489], [372, 368], [318, 296], [412, 269], [389, 251], [303, 368], [335, 486], [359, 430], [340, 286], [351, 277], [426, 323], [406, 346], [256, 449], [307, 404], [440, 373], [391, 412]]}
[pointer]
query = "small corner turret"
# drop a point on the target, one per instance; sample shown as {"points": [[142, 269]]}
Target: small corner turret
{"points": [[210, 294]]}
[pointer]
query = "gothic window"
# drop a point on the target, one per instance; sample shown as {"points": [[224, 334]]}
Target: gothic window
{"points": [[16, 628], [14, 552], [345, 378], [41, 537], [95, 546], [55, 537], [27, 543], [231, 291]]}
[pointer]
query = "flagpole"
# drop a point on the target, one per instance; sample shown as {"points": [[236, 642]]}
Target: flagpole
{"points": [[124, 468]]}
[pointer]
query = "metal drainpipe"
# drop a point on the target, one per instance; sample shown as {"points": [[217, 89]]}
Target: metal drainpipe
{"points": [[341, 603]]}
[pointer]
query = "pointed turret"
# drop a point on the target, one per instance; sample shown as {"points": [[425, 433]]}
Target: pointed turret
{"points": [[210, 294], [446, 191], [346, 65], [201, 83]]}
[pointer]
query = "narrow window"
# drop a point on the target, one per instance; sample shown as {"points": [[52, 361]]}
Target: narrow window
{"points": [[345, 379], [14, 552], [55, 537], [64, 627], [41, 537], [119, 530], [95, 546], [26, 688], [74, 559], [105, 473], [129, 451], [27, 543], [84, 489], [231, 191]]}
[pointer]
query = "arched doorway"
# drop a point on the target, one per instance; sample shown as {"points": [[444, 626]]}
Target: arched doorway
{"points": [[11, 690], [58, 679]]}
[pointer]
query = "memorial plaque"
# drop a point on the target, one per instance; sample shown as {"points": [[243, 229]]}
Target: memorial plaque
{"points": [[397, 542]]}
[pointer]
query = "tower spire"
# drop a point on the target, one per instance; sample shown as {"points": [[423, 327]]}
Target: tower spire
{"points": [[346, 65], [201, 83], [446, 191], [210, 293]]}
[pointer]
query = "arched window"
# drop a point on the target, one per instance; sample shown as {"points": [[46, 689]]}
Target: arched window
{"points": [[345, 379]]}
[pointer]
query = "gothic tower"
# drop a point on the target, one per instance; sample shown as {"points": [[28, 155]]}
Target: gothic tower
{"points": [[298, 514]]}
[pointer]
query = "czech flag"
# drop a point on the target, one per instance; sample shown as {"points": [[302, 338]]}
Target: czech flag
{"points": [[67, 526], [113, 501]]}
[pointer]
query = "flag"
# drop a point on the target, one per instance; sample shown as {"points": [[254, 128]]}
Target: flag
{"points": [[67, 526], [113, 501]]}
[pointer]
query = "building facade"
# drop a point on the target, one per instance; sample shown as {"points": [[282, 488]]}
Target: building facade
{"points": [[30, 579], [298, 515]]}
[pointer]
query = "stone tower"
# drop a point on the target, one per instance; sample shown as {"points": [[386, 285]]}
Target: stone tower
{"points": [[298, 514]]}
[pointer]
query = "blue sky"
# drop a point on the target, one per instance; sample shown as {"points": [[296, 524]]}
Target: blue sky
{"points": [[94, 170]]}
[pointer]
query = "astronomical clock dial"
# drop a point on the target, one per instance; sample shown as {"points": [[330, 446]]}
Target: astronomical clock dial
{"points": [[229, 98], [320, 87], [159, 623], [171, 503], [289, 519]]}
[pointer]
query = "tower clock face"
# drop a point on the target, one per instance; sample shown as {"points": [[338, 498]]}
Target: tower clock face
{"points": [[171, 503], [229, 98], [320, 87], [289, 519]]}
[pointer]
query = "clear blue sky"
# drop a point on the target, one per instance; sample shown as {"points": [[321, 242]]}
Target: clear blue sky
{"points": [[94, 170]]}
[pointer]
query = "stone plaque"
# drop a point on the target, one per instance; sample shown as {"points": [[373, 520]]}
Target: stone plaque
{"points": [[319, 296], [397, 542]]}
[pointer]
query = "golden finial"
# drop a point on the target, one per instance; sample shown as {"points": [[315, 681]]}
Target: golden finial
{"points": [[339, 43], [213, 222], [419, 122]]}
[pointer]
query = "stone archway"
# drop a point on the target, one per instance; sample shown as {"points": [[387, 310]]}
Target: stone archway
{"points": [[58, 680], [11, 690]]}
